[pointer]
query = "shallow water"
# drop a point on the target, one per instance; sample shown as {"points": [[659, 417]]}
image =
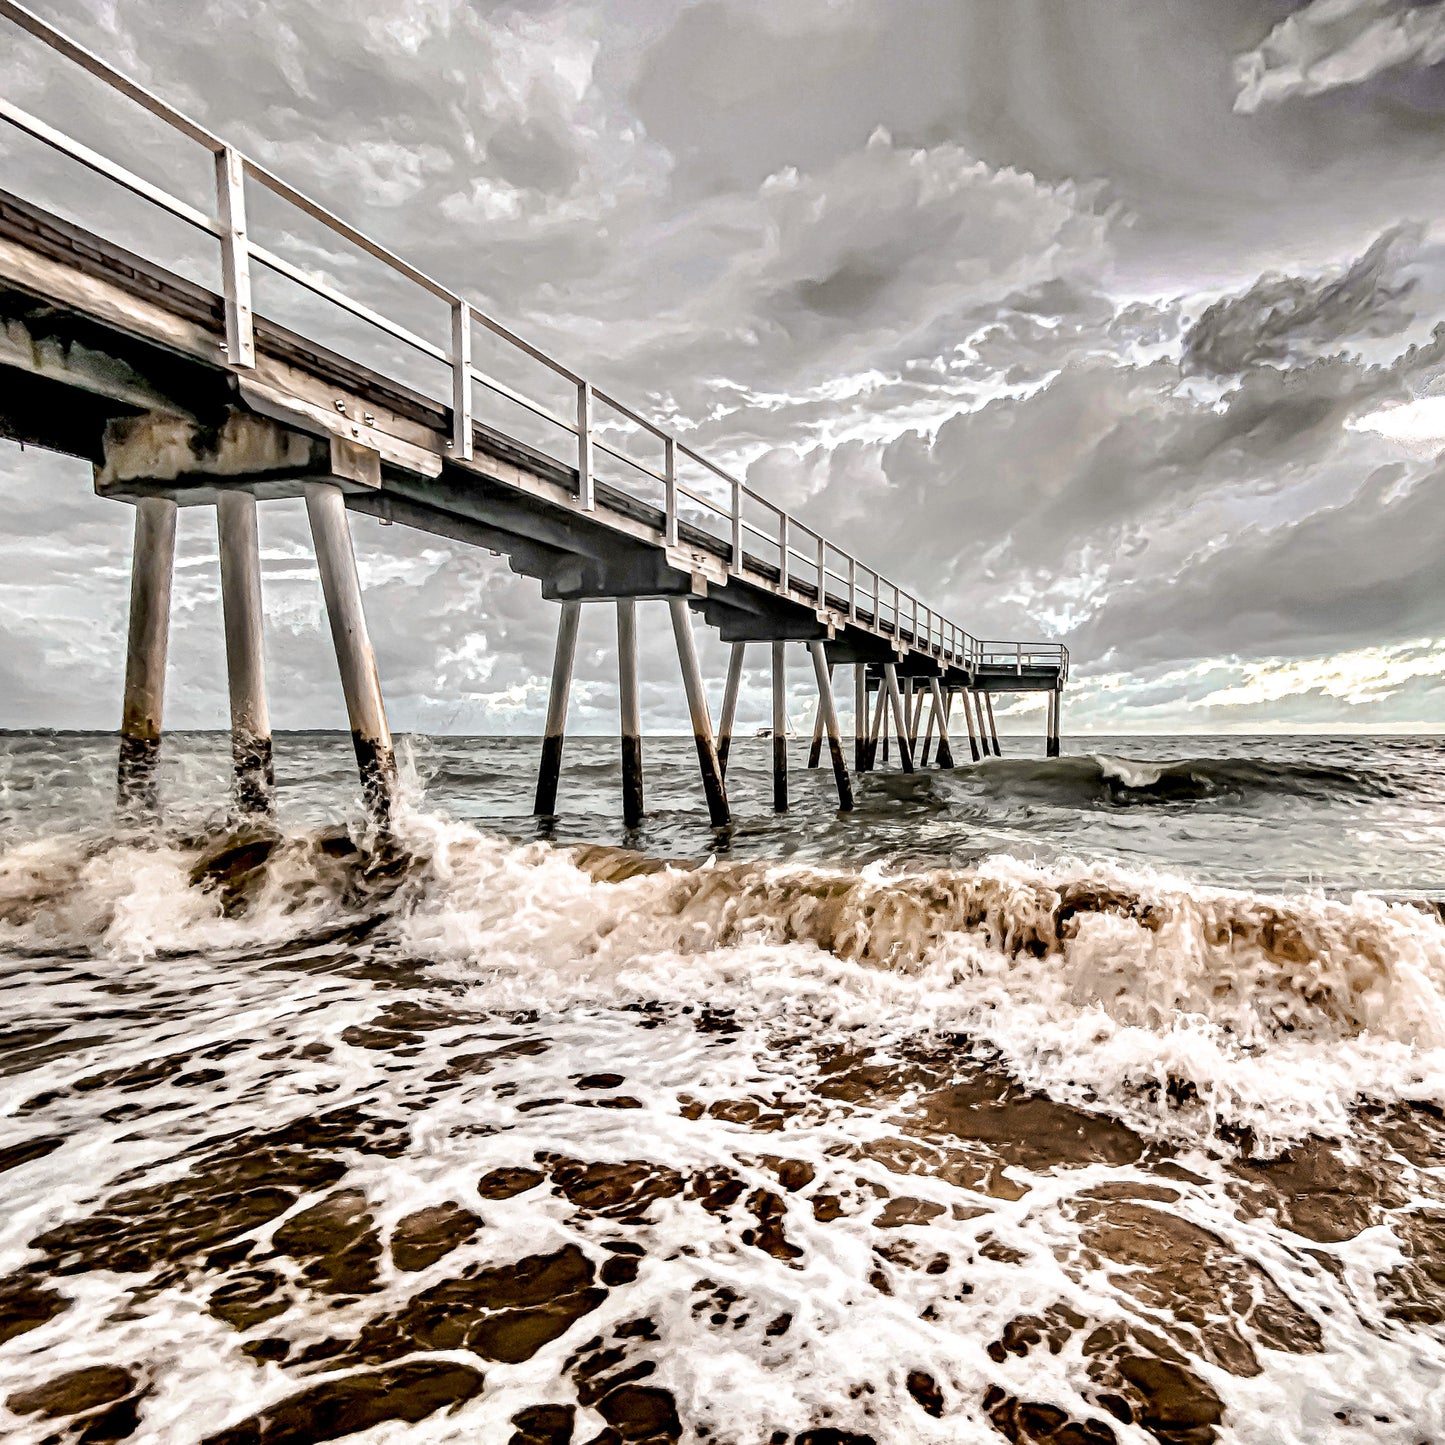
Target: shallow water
{"points": [[1085, 1100]]}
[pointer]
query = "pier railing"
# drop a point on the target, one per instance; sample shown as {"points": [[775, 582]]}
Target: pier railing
{"points": [[795, 559], [1020, 656]]}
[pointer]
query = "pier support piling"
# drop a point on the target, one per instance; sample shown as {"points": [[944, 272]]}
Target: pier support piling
{"points": [[828, 714], [341, 586], [631, 712], [152, 565], [555, 733], [1056, 703], [712, 778], [992, 725], [900, 717], [860, 717], [964, 698], [819, 722], [730, 705], [780, 728], [940, 716], [254, 784], [879, 728]]}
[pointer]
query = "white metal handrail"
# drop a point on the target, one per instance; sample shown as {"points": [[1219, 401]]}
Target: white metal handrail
{"points": [[926, 628]]}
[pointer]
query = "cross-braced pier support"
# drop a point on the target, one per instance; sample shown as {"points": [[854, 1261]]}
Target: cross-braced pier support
{"points": [[631, 711], [900, 719], [152, 565], [254, 784], [712, 777], [992, 725], [940, 716], [341, 585], [964, 698], [545, 804], [828, 716]]}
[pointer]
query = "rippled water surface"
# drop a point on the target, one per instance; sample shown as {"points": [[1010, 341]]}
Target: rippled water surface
{"points": [[1062, 1101]]}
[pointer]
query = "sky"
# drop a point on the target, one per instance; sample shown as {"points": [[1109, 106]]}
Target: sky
{"points": [[1114, 322]]}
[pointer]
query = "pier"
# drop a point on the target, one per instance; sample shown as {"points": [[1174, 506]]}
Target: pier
{"points": [[180, 394]]}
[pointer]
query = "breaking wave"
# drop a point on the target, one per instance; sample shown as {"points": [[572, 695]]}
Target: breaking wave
{"points": [[1191, 1013], [1094, 779]]}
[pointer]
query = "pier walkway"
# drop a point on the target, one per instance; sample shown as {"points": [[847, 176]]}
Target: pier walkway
{"points": [[181, 393]]}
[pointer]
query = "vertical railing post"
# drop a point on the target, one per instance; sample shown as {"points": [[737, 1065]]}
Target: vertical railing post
{"points": [[461, 380], [235, 257], [852, 589], [669, 471], [584, 446], [783, 551], [877, 620], [822, 573], [1019, 658], [737, 563]]}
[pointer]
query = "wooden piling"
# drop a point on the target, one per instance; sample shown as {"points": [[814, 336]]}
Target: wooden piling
{"points": [[730, 705], [631, 712], [341, 586], [940, 714], [550, 768], [1056, 706], [860, 717], [254, 782], [928, 730], [992, 725], [152, 565], [828, 712], [780, 729], [900, 719], [712, 778]]}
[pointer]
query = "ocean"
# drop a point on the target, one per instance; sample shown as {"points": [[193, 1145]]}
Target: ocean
{"points": [[1079, 1100]]}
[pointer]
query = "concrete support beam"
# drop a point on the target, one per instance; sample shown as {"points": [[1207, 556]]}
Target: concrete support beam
{"points": [[341, 585], [152, 566], [730, 704], [780, 728], [254, 783], [992, 725], [545, 805], [712, 778], [900, 717], [828, 712], [631, 710]]}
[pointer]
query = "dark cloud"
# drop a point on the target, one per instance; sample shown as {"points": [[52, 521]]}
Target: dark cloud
{"points": [[1288, 318]]}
